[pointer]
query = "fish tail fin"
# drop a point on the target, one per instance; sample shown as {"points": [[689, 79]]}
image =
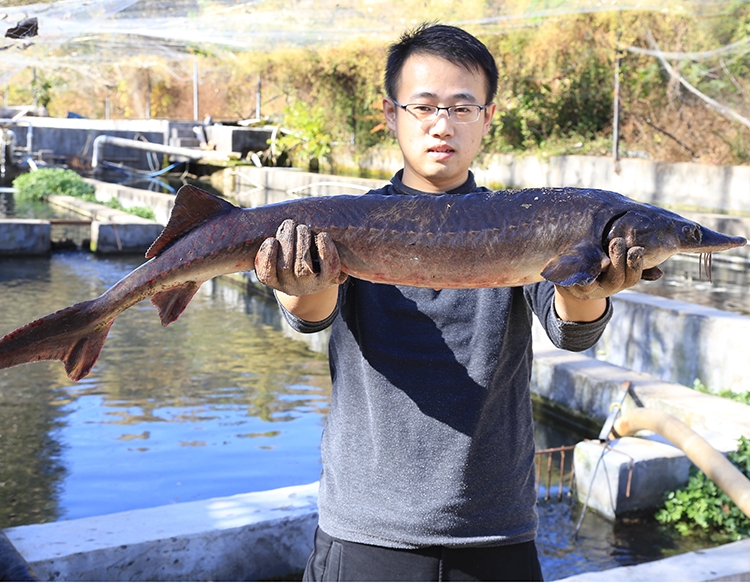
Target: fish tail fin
{"points": [[172, 302], [74, 335]]}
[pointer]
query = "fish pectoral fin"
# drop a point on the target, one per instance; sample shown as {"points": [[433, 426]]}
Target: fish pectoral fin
{"points": [[172, 302], [578, 265], [652, 274], [80, 358]]}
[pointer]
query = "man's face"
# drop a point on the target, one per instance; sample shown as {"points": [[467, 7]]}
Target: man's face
{"points": [[437, 153]]}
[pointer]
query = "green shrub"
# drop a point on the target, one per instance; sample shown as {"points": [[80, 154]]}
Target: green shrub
{"points": [[702, 506], [36, 185]]}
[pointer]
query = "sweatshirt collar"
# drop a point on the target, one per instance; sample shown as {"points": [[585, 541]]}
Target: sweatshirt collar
{"points": [[467, 187]]}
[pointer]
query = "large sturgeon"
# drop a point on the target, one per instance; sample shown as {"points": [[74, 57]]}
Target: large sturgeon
{"points": [[500, 239]]}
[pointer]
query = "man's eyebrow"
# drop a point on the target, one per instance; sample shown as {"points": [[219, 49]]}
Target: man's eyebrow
{"points": [[460, 97]]}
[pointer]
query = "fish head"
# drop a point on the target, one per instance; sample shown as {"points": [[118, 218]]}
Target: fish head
{"points": [[662, 234]]}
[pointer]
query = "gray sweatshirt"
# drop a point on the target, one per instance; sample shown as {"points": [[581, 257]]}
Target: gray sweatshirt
{"points": [[430, 435]]}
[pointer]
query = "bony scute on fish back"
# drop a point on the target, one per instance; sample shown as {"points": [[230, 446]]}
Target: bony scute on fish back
{"points": [[479, 239]]}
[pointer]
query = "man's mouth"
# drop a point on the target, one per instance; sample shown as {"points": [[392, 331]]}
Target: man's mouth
{"points": [[444, 150]]}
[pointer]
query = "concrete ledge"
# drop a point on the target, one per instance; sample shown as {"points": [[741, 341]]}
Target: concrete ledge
{"points": [[238, 538], [589, 386], [159, 202], [24, 237], [112, 230], [583, 385], [729, 562], [250, 183], [678, 341], [117, 237], [628, 475]]}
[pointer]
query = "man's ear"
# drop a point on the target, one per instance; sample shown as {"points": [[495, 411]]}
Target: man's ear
{"points": [[390, 113], [488, 113]]}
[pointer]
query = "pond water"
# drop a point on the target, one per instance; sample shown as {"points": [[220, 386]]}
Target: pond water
{"points": [[682, 280], [218, 403], [23, 208]]}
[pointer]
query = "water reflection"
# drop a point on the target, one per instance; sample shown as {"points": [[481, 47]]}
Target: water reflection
{"points": [[201, 408], [730, 289]]}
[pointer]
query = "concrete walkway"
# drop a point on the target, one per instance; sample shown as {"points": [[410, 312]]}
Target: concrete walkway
{"points": [[260, 535], [247, 537], [725, 563]]}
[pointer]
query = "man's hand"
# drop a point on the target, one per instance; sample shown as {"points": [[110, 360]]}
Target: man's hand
{"points": [[624, 270], [586, 303], [286, 262]]}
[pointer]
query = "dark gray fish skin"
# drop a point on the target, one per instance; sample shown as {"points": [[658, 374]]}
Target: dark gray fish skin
{"points": [[500, 239]]}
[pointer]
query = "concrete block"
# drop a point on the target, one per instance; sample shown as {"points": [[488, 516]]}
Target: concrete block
{"points": [[161, 203], [24, 237], [123, 237], [729, 562], [677, 341], [628, 475], [247, 537]]}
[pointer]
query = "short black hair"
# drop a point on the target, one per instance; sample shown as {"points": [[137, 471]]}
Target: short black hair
{"points": [[440, 40]]}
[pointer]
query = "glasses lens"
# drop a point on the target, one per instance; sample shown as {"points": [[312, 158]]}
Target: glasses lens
{"points": [[465, 113], [422, 112]]}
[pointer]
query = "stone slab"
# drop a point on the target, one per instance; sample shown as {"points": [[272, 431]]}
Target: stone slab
{"points": [[246, 537], [117, 237], [729, 562], [24, 237], [628, 474]]}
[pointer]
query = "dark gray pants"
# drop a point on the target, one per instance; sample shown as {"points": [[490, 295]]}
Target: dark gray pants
{"points": [[338, 560]]}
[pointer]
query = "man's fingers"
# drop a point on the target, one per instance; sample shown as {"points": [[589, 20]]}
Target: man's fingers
{"points": [[265, 262], [330, 263], [635, 266], [286, 262], [286, 235], [615, 275], [303, 266]]}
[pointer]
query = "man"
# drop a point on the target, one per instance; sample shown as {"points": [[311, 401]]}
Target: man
{"points": [[428, 452]]}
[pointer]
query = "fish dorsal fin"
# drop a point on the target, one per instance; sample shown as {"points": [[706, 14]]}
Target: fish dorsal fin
{"points": [[578, 265], [192, 206]]}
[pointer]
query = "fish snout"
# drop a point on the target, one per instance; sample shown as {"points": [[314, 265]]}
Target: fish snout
{"points": [[703, 240]]}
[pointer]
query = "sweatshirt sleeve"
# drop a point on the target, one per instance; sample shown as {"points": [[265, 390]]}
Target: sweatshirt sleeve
{"points": [[573, 336]]}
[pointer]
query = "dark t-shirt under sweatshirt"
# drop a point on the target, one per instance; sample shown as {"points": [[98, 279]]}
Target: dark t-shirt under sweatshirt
{"points": [[430, 435]]}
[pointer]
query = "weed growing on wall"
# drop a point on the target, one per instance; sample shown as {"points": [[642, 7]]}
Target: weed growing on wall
{"points": [[724, 393], [702, 506]]}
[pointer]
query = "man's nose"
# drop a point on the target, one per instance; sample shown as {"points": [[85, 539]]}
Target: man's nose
{"points": [[442, 123]]}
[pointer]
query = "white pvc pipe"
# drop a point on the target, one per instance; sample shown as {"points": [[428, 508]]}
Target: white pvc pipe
{"points": [[100, 141]]}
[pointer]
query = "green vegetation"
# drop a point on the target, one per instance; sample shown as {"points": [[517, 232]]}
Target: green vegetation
{"points": [[702, 507], [36, 185], [725, 393], [555, 94]]}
